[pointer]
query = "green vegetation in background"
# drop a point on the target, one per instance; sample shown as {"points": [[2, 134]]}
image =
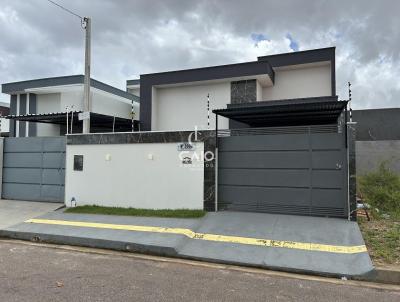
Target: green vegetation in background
{"points": [[381, 190]]}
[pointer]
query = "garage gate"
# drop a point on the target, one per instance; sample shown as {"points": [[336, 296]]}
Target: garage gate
{"points": [[34, 168], [290, 170]]}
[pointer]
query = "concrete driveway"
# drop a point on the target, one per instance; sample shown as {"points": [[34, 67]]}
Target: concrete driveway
{"points": [[17, 211]]}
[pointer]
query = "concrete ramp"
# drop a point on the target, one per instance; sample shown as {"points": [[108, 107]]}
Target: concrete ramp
{"points": [[322, 246]]}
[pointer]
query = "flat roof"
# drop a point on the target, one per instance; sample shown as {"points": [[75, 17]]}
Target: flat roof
{"points": [[275, 60], [218, 72], [300, 57], [21, 86]]}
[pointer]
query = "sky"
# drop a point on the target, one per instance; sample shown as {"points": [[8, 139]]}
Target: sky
{"points": [[133, 37]]}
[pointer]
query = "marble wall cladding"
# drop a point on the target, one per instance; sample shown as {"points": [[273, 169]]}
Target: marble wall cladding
{"points": [[243, 92], [207, 136], [351, 138], [138, 137]]}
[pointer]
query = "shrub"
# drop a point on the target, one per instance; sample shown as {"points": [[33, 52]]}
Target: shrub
{"points": [[381, 189]]}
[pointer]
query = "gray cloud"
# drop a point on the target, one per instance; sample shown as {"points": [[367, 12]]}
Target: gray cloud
{"points": [[38, 39]]}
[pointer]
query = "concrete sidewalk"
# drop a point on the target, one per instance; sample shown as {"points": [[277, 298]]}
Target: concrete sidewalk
{"points": [[17, 211], [320, 246]]}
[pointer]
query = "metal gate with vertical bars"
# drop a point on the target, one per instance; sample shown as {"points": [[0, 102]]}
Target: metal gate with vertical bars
{"points": [[34, 168], [290, 170]]}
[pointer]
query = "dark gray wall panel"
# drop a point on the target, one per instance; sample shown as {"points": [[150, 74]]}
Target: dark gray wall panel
{"points": [[53, 160], [50, 192], [34, 168], [327, 198], [20, 191], [32, 131], [260, 143], [22, 111], [52, 177], [264, 177], [265, 159], [293, 196], [327, 159], [22, 175], [55, 144], [22, 160], [326, 141], [13, 111], [327, 179], [20, 145]]}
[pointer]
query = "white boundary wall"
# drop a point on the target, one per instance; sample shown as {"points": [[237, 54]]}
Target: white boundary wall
{"points": [[140, 175]]}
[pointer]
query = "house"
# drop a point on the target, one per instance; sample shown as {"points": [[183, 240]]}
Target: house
{"points": [[177, 100], [272, 137], [39, 107], [4, 123]]}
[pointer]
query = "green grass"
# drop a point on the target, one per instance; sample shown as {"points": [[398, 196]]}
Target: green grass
{"points": [[381, 190], [382, 237], [181, 213]]}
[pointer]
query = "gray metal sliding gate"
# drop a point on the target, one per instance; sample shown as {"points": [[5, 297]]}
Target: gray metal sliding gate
{"points": [[34, 168], [290, 170]]}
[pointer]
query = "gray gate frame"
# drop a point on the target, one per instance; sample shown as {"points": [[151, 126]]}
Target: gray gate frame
{"points": [[57, 147], [350, 137]]}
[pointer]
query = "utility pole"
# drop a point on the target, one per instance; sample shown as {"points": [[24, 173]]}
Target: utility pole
{"points": [[87, 106]]}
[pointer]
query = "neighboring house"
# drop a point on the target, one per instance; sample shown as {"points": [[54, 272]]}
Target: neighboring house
{"points": [[38, 107], [177, 100], [4, 123]]}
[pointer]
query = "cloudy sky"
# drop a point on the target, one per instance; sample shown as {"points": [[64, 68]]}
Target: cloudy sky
{"points": [[37, 39]]}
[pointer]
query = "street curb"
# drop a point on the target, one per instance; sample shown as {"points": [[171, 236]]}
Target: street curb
{"points": [[90, 242], [382, 275], [159, 251]]}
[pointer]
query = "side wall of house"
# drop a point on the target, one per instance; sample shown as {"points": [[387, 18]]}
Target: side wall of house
{"points": [[184, 107], [148, 175], [105, 103], [299, 82], [46, 103]]}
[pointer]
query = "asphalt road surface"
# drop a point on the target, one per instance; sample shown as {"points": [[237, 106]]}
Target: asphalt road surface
{"points": [[42, 273]]}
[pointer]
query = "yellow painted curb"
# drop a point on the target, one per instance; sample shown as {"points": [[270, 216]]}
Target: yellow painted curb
{"points": [[339, 249]]}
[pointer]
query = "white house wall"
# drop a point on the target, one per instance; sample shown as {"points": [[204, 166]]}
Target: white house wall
{"points": [[184, 107], [48, 103], [147, 176], [112, 105], [299, 83], [135, 91], [73, 98]]}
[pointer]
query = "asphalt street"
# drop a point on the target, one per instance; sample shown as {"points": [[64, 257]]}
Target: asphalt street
{"points": [[43, 273]]}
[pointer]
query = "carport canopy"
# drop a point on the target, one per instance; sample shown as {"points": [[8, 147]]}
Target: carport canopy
{"points": [[285, 113], [97, 120]]}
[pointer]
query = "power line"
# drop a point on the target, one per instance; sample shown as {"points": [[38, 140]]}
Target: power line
{"points": [[66, 9]]}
